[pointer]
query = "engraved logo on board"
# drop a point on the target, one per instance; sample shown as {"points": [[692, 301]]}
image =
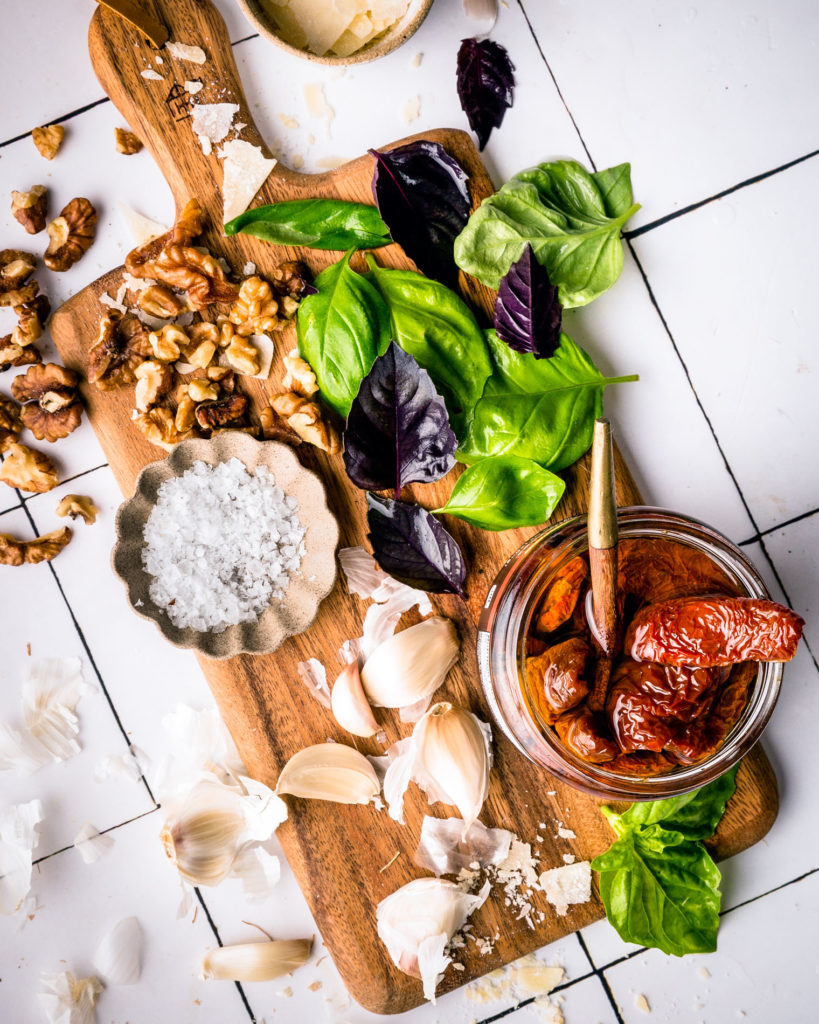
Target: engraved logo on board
{"points": [[179, 102]]}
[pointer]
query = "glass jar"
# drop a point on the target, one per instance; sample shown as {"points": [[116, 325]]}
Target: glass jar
{"points": [[504, 624]]}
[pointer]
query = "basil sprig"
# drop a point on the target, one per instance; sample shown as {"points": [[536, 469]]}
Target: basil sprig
{"points": [[658, 883]]}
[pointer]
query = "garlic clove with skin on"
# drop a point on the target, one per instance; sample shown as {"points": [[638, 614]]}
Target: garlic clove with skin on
{"points": [[118, 957], [256, 961], [412, 664], [349, 703], [330, 771]]}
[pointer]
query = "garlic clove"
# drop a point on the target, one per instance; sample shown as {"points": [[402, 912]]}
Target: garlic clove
{"points": [[256, 961], [417, 921], [205, 834], [454, 755], [349, 703], [118, 958], [329, 771], [412, 664]]}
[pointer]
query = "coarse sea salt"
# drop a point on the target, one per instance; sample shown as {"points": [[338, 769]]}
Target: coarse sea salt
{"points": [[220, 544]]}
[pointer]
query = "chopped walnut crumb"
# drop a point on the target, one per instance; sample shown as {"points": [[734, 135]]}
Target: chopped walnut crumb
{"points": [[127, 143], [41, 549], [53, 408], [29, 208], [48, 139], [31, 320], [165, 343], [71, 234], [305, 418], [28, 470], [75, 505], [185, 418]]}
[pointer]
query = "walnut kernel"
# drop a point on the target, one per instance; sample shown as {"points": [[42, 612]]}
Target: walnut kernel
{"points": [[71, 234], [17, 355], [200, 390], [255, 309], [159, 428], [161, 301], [274, 428], [121, 346], [304, 416], [166, 341], [48, 139], [28, 470], [153, 379], [53, 408], [298, 376], [243, 356], [16, 267], [29, 208], [185, 419], [78, 505], [41, 549], [228, 410], [11, 423], [127, 143]]}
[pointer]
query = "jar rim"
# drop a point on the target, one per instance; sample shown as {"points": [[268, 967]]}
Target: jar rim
{"points": [[506, 616]]}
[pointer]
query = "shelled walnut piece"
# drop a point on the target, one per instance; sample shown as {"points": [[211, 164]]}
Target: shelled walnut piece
{"points": [[52, 406], [11, 423], [122, 344], [153, 380], [48, 139], [16, 267], [71, 234], [127, 143], [41, 549], [304, 416], [298, 375], [157, 426], [28, 470], [29, 208], [78, 505]]}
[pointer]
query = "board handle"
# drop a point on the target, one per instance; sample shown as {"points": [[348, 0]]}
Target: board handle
{"points": [[158, 109]]}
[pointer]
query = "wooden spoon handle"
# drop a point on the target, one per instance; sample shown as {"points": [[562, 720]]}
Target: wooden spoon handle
{"points": [[602, 525], [158, 110]]}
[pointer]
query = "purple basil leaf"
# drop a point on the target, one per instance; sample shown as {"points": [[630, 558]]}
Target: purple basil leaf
{"points": [[421, 194], [528, 314], [398, 428], [486, 86], [413, 547]]}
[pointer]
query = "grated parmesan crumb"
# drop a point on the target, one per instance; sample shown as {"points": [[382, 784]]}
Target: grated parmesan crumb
{"points": [[641, 1003], [151, 75]]}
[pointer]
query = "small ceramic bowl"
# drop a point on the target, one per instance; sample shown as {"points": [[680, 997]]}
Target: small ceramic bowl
{"points": [[265, 25], [307, 588]]}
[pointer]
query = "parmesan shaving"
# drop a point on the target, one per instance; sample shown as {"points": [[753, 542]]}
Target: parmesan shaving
{"points": [[151, 75], [142, 229], [193, 87], [245, 171], [316, 100], [411, 109], [213, 121], [184, 51], [567, 885]]}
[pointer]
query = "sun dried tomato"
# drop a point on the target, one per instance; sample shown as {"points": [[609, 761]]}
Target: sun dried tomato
{"points": [[584, 732], [561, 598], [705, 632], [705, 733], [556, 677], [658, 570], [641, 763]]}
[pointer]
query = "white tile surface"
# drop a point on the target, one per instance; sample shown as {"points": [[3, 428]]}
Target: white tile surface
{"points": [[697, 96], [745, 317], [586, 1003], [755, 976], [736, 284]]}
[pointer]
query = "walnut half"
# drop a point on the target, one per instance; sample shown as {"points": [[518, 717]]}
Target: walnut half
{"points": [[122, 344], [28, 470], [41, 549], [53, 408], [29, 208], [304, 416], [71, 234], [75, 505]]}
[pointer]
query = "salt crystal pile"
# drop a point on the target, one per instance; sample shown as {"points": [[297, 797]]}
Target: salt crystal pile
{"points": [[221, 543]]}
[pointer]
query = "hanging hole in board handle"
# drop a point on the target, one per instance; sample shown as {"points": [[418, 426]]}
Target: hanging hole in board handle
{"points": [[154, 31]]}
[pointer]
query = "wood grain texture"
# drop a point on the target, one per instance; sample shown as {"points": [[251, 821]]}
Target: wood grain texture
{"points": [[337, 852]]}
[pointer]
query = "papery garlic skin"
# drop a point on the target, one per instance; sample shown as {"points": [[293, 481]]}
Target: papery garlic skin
{"points": [[412, 664], [90, 844], [18, 838], [418, 920], [69, 1000], [349, 703], [256, 961], [444, 849], [118, 957], [330, 771]]}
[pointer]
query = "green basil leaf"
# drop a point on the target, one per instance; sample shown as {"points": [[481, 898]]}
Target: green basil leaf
{"points": [[341, 330], [502, 493], [315, 223], [434, 325], [661, 890], [694, 815], [572, 220], [539, 409]]}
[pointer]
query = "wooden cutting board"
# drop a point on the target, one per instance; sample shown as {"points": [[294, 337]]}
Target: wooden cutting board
{"points": [[336, 852]]}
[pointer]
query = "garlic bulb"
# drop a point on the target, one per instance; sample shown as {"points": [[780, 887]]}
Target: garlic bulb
{"points": [[417, 921], [449, 756], [256, 961], [349, 703], [412, 664], [330, 771], [118, 958]]}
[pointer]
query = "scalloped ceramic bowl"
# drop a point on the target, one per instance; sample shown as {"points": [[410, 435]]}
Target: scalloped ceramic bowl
{"points": [[282, 618]]}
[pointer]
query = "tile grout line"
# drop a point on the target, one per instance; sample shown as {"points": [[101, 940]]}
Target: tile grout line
{"points": [[554, 81], [598, 971], [95, 103], [712, 430], [753, 180], [757, 537], [218, 937], [528, 1002], [90, 656], [105, 831], [85, 472]]}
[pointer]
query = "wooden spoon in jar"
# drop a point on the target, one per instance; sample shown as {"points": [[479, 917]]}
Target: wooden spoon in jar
{"points": [[602, 527]]}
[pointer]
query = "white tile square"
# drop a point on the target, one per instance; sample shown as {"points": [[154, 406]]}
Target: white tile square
{"points": [[762, 970], [80, 903], [795, 553], [583, 1003], [697, 96], [34, 612], [744, 316]]}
